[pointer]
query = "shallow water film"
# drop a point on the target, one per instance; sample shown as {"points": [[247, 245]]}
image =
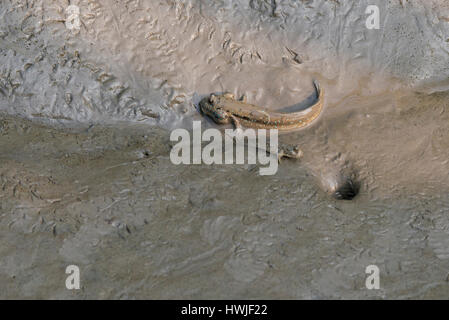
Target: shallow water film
{"points": [[91, 92]]}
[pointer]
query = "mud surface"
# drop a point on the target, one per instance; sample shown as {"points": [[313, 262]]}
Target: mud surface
{"points": [[86, 178]]}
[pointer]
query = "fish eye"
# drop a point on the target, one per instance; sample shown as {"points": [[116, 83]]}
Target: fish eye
{"points": [[212, 98]]}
